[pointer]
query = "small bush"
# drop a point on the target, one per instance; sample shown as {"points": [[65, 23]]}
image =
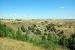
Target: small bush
{"points": [[26, 37], [60, 33], [34, 25], [43, 37], [49, 37], [51, 27], [1, 33], [23, 28], [63, 41], [38, 32], [6, 31], [19, 35], [71, 42]]}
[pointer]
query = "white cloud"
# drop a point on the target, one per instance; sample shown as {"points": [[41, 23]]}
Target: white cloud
{"points": [[62, 7]]}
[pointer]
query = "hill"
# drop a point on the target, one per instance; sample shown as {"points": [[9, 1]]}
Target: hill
{"points": [[9, 44]]}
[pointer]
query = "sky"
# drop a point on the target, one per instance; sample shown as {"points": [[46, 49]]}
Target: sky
{"points": [[37, 9]]}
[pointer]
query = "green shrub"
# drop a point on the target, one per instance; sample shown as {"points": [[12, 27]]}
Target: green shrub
{"points": [[43, 37], [46, 22], [60, 33], [34, 25], [45, 44], [6, 31], [63, 41], [51, 27], [38, 32], [26, 37], [1, 33], [19, 35], [71, 42], [49, 36], [45, 33], [23, 28], [31, 28]]}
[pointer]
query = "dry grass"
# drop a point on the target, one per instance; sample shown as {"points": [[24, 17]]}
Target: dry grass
{"points": [[9, 44]]}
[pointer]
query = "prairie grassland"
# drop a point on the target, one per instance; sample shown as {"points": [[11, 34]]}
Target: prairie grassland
{"points": [[37, 34], [10, 44], [68, 26]]}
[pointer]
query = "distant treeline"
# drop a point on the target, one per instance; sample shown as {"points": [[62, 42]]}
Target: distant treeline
{"points": [[12, 19]]}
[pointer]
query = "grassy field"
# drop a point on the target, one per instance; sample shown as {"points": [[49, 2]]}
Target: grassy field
{"points": [[36, 34], [9, 44]]}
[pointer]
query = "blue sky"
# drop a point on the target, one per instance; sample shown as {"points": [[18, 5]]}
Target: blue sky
{"points": [[37, 9]]}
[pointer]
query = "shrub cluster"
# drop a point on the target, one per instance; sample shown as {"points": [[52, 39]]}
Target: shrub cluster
{"points": [[6, 31], [45, 39]]}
